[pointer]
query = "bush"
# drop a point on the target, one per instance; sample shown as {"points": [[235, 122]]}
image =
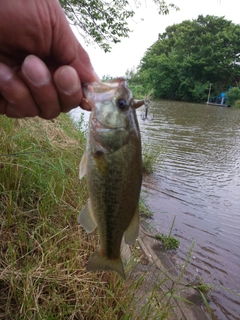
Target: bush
{"points": [[237, 104], [151, 157], [233, 95]]}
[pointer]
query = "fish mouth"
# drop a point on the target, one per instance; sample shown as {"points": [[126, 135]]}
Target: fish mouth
{"points": [[99, 125]]}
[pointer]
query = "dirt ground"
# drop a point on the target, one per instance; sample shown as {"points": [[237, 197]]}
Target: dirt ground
{"points": [[161, 276]]}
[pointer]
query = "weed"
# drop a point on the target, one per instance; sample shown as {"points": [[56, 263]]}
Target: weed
{"points": [[170, 243], [143, 209], [151, 156], [203, 287]]}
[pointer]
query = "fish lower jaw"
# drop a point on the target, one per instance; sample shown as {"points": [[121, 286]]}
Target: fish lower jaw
{"points": [[100, 126]]}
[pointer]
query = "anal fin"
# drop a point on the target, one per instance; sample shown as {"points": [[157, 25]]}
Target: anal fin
{"points": [[131, 232]]}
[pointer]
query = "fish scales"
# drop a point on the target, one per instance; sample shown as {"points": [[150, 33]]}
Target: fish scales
{"points": [[113, 165], [111, 195]]}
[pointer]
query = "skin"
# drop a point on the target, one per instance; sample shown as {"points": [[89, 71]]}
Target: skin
{"points": [[42, 64]]}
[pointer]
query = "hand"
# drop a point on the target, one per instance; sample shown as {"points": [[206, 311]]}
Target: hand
{"points": [[42, 65]]}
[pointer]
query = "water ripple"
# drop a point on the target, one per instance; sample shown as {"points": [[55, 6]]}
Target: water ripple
{"points": [[199, 182]]}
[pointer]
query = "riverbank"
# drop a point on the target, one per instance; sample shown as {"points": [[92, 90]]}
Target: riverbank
{"points": [[43, 251], [180, 299]]}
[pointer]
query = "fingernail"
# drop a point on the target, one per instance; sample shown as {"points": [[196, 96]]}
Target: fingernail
{"points": [[6, 74], [68, 80], [36, 71]]}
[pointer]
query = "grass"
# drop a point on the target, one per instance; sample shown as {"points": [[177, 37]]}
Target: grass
{"points": [[143, 209], [43, 251], [169, 242], [203, 287], [151, 155]]}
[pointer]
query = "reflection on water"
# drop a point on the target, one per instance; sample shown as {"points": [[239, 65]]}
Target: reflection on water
{"points": [[198, 180]]}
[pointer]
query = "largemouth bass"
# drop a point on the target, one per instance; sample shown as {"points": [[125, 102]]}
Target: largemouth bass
{"points": [[113, 165]]}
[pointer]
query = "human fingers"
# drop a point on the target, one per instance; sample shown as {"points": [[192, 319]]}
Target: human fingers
{"points": [[15, 98], [69, 88], [82, 64], [40, 83], [85, 105]]}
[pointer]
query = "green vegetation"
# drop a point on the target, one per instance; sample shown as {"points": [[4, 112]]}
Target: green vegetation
{"points": [[43, 251], [151, 155], [237, 104], [203, 287], [169, 242], [106, 77], [135, 83], [143, 209], [187, 57], [102, 22], [233, 97]]}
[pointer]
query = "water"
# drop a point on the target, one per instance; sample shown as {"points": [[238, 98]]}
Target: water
{"points": [[198, 180]]}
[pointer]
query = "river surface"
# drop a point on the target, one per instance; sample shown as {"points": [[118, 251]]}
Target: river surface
{"points": [[197, 179]]}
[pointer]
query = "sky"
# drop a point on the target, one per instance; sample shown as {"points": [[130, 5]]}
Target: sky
{"points": [[128, 53]]}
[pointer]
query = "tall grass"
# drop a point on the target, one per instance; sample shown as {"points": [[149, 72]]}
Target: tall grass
{"points": [[151, 156], [169, 242], [43, 251]]}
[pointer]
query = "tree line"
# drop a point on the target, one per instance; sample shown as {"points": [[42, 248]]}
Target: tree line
{"points": [[184, 60], [189, 56]]}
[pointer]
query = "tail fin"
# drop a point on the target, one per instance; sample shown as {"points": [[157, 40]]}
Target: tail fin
{"points": [[100, 262]]}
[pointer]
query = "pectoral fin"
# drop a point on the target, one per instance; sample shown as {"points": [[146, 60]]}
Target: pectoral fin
{"points": [[131, 233], [83, 166], [86, 219]]}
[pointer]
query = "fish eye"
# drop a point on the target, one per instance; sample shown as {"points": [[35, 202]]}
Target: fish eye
{"points": [[122, 104]]}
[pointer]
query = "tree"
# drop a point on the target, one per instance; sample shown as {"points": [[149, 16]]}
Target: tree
{"points": [[190, 55], [106, 77], [135, 83], [105, 21]]}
